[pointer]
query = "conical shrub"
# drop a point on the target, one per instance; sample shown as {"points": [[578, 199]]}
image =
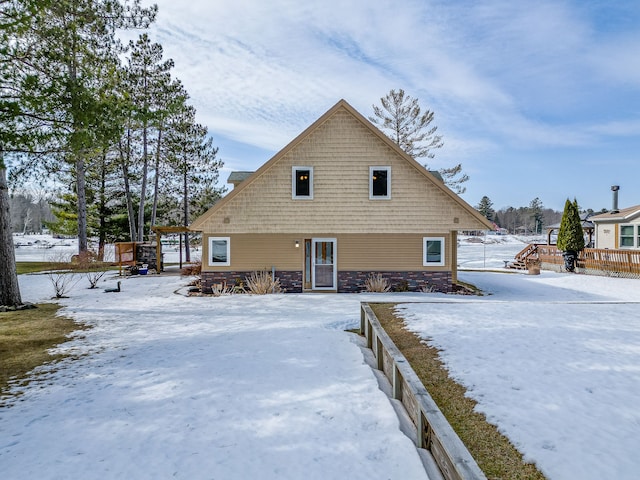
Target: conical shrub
{"points": [[570, 236]]}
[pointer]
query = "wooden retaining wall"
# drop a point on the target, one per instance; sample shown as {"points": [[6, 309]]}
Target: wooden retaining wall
{"points": [[433, 431]]}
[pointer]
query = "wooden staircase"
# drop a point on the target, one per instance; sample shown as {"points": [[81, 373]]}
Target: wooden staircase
{"points": [[522, 258]]}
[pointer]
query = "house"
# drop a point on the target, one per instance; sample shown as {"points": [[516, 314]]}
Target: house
{"points": [[339, 203], [618, 229]]}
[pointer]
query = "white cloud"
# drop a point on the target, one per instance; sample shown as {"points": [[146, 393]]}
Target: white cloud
{"points": [[500, 75]]}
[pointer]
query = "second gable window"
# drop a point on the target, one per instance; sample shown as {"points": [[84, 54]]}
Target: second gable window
{"points": [[379, 183], [302, 183]]}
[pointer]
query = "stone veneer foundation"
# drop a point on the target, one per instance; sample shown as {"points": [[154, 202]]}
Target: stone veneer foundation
{"points": [[291, 282], [348, 282], [353, 282]]}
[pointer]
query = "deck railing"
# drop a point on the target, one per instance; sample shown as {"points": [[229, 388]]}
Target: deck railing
{"points": [[596, 261]]}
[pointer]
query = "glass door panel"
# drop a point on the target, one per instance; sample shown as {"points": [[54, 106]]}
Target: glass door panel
{"points": [[324, 271]]}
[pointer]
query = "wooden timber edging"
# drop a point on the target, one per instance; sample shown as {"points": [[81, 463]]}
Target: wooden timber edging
{"points": [[433, 431]]}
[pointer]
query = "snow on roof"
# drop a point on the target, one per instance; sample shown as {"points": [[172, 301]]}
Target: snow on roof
{"points": [[624, 214]]}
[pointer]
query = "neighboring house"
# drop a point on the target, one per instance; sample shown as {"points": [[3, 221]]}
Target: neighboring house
{"points": [[339, 203], [618, 229]]}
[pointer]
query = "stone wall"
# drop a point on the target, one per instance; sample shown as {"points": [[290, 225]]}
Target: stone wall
{"points": [[348, 282], [291, 282], [353, 282]]}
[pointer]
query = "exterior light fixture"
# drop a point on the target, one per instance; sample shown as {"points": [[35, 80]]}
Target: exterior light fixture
{"points": [[297, 244]]}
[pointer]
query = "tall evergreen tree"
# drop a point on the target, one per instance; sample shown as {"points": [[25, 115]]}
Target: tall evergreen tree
{"points": [[62, 55], [148, 72], [485, 207], [535, 211], [173, 98], [193, 157], [402, 120], [570, 235]]}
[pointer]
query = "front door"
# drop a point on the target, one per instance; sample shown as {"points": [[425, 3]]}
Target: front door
{"points": [[323, 264]]}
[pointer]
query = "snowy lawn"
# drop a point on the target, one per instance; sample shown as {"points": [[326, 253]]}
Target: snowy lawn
{"points": [[553, 360], [272, 387], [238, 387]]}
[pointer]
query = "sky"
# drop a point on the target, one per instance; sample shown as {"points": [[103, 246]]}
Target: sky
{"points": [[534, 98]]}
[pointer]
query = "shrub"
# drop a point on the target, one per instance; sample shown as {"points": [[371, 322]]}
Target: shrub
{"points": [[62, 282], [194, 268], [88, 263], [262, 283], [376, 283], [570, 235], [61, 275], [426, 288], [219, 289]]}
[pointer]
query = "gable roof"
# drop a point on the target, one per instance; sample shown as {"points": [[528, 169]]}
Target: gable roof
{"points": [[623, 215], [236, 178], [341, 105]]}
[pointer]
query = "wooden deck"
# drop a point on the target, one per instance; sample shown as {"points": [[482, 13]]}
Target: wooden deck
{"points": [[595, 261]]}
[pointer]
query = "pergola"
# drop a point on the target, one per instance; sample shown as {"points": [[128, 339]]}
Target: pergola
{"points": [[587, 227], [159, 231]]}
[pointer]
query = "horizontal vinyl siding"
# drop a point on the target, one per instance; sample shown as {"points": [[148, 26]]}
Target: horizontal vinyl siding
{"points": [[257, 252], [381, 252], [356, 252]]}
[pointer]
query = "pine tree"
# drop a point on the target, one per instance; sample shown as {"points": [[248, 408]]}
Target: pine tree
{"points": [[64, 52], [485, 207], [148, 72], [401, 119], [193, 157], [535, 211], [571, 235]]}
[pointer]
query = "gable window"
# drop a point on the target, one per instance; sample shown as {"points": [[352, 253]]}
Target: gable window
{"points": [[379, 183], [302, 183], [433, 251], [629, 236], [219, 251]]}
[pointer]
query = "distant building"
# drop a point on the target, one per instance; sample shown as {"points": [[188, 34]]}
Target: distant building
{"points": [[618, 229]]}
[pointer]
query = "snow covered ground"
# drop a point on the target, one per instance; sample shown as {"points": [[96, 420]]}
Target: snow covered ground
{"points": [[237, 387], [46, 248], [272, 387], [553, 360]]}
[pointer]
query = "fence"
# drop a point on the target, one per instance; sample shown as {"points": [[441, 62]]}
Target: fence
{"points": [[433, 431], [594, 261]]}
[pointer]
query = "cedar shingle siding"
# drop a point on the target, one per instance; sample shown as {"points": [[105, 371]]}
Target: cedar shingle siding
{"points": [[263, 221]]}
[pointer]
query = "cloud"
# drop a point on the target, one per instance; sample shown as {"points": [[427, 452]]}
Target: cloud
{"points": [[504, 78]]}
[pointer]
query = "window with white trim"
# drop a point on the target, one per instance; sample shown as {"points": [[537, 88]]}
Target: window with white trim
{"points": [[379, 183], [302, 183], [219, 251], [433, 251], [629, 236]]}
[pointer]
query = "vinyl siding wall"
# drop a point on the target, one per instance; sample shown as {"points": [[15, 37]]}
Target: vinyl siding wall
{"points": [[356, 252]]}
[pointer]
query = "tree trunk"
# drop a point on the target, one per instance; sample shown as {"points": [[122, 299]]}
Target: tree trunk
{"points": [[9, 288], [157, 180], [143, 188], [124, 163], [82, 204], [187, 250], [102, 208]]}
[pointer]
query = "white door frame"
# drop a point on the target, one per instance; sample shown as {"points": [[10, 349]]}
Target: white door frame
{"points": [[334, 242]]}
